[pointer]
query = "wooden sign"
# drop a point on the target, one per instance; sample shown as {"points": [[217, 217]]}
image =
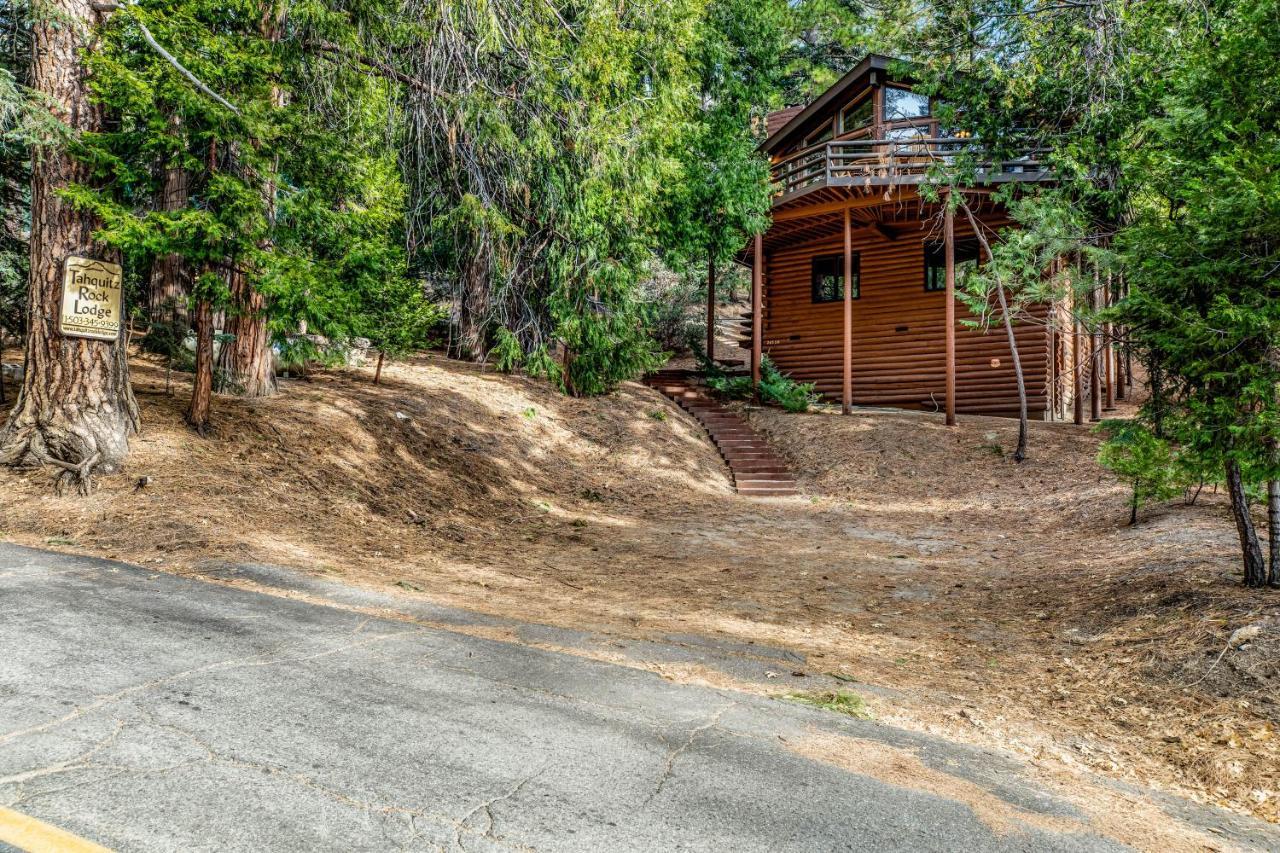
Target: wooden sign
{"points": [[91, 299]]}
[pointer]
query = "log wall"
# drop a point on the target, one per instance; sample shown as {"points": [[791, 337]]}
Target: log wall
{"points": [[898, 331]]}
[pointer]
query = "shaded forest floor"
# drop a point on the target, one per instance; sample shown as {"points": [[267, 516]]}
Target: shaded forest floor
{"points": [[1001, 604]]}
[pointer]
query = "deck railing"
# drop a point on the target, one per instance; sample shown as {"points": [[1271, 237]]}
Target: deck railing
{"points": [[882, 162]]}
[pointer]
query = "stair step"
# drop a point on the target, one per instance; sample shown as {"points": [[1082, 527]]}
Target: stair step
{"points": [[755, 469]]}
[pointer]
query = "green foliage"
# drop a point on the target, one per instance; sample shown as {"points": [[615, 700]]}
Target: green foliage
{"points": [[776, 388], [669, 310], [1150, 463], [1164, 130], [15, 158], [839, 701], [721, 196], [506, 353], [535, 181]]}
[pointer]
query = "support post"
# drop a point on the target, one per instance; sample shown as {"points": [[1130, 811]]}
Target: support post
{"points": [[949, 241], [847, 398], [757, 312], [711, 309]]}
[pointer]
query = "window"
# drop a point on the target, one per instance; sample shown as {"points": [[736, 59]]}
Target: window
{"points": [[913, 131], [904, 104], [828, 278], [857, 116], [821, 135], [935, 262]]}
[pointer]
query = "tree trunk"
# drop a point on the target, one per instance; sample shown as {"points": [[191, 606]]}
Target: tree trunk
{"points": [[473, 309], [711, 309], [202, 386], [246, 364], [1273, 515], [377, 373], [1155, 380], [76, 408], [170, 277], [1273, 530], [1020, 453], [1095, 355], [1255, 569]]}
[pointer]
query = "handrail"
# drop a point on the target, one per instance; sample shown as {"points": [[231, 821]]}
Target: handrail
{"points": [[884, 161]]}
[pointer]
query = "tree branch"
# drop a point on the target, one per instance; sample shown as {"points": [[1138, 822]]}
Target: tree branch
{"points": [[372, 64], [167, 56]]}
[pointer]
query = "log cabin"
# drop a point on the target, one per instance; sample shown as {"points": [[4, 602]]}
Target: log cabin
{"points": [[854, 281]]}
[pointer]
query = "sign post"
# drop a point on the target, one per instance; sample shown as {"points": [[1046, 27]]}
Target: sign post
{"points": [[91, 299]]}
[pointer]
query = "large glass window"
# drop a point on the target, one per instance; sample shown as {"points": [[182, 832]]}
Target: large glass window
{"points": [[935, 262], [828, 278], [858, 116], [904, 104], [821, 135]]}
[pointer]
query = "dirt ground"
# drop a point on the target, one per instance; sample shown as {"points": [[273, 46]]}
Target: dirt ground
{"points": [[1005, 604]]}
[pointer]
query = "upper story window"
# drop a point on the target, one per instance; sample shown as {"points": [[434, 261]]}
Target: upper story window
{"points": [[828, 278], [858, 115], [903, 104], [935, 262], [821, 135]]}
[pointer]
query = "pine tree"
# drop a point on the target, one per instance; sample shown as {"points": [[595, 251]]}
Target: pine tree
{"points": [[76, 409]]}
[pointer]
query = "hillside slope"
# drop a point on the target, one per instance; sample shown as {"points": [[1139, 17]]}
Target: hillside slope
{"points": [[958, 592]]}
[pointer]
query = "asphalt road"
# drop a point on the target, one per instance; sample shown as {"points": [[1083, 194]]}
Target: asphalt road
{"points": [[145, 711]]}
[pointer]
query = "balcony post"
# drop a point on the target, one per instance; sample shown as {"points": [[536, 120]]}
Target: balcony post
{"points": [[846, 399], [949, 251]]}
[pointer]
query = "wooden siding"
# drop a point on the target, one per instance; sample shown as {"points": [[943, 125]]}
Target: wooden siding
{"points": [[898, 331]]}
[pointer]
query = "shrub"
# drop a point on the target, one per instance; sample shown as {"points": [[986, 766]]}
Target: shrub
{"points": [[776, 388], [1153, 465]]}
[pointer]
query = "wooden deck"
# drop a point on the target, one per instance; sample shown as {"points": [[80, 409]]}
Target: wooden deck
{"points": [[883, 163]]}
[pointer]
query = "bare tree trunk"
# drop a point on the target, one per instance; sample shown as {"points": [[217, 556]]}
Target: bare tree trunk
{"points": [[202, 387], [473, 309], [1095, 355], [76, 408], [1273, 516], [711, 309], [170, 276], [1020, 453], [1255, 569], [377, 373], [246, 364]]}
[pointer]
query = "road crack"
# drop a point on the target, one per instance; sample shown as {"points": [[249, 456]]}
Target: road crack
{"points": [[674, 755]]}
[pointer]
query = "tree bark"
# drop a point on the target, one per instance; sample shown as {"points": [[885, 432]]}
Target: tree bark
{"points": [[377, 373], [170, 277], [473, 309], [1273, 516], [1095, 355], [202, 386], [711, 309], [1020, 453], [1255, 569], [1273, 531], [76, 408], [246, 364]]}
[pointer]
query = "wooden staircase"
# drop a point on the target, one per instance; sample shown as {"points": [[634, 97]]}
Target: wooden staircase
{"points": [[755, 468]]}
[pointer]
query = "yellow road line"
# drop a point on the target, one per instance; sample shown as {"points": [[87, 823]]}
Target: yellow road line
{"points": [[27, 833]]}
